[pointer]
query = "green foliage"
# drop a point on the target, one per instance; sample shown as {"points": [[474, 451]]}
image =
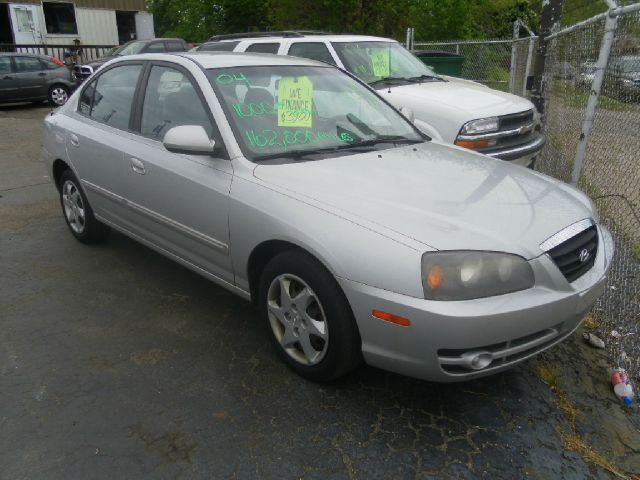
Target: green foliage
{"points": [[196, 20], [575, 11]]}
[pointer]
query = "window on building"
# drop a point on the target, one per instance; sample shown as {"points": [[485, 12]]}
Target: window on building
{"points": [[60, 18], [263, 48]]}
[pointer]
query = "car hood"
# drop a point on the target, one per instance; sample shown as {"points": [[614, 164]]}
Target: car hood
{"points": [[441, 196], [469, 100]]}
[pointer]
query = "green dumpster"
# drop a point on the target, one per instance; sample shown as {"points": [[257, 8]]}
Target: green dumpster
{"points": [[444, 63]]}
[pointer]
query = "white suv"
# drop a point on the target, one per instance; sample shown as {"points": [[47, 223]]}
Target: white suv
{"points": [[448, 109]]}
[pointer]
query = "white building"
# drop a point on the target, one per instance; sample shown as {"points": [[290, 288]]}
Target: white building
{"points": [[93, 22]]}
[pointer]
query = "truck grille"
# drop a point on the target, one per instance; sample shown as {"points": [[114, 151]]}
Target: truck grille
{"points": [[516, 120], [82, 72], [575, 256]]}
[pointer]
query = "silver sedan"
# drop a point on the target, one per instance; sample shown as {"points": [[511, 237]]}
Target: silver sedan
{"points": [[295, 186]]}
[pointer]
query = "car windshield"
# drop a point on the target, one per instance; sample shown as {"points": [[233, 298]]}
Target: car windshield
{"points": [[292, 113], [130, 48], [376, 61]]}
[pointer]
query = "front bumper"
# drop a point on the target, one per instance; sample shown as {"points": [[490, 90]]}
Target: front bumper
{"points": [[520, 154], [510, 328]]}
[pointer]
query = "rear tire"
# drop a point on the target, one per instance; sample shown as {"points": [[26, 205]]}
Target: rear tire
{"points": [[310, 321], [78, 213], [58, 95]]}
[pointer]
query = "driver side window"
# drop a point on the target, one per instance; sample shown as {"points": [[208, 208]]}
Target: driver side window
{"points": [[171, 100]]}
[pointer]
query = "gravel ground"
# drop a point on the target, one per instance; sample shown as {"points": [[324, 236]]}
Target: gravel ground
{"points": [[117, 363]]}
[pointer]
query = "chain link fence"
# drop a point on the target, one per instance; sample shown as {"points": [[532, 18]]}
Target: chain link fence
{"points": [[610, 169]]}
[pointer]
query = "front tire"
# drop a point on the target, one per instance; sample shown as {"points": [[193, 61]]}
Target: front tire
{"points": [[310, 321], [78, 213]]}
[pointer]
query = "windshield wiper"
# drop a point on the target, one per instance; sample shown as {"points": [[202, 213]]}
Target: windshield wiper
{"points": [[388, 80], [299, 154], [387, 139], [421, 78]]}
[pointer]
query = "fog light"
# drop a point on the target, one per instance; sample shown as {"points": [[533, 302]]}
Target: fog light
{"points": [[478, 360]]}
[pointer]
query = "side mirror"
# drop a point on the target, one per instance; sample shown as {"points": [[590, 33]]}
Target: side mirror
{"points": [[408, 113], [188, 139]]}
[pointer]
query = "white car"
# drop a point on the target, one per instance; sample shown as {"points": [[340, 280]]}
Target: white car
{"points": [[448, 109]]}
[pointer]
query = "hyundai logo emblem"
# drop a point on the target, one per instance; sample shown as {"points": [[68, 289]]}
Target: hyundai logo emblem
{"points": [[584, 255]]}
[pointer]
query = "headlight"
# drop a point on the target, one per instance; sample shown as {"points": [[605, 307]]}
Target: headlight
{"points": [[482, 125], [463, 275]]}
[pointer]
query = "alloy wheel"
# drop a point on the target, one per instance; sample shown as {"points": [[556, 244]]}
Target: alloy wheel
{"points": [[73, 205], [297, 319]]}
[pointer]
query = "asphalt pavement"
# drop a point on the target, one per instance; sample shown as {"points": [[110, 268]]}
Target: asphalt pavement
{"points": [[117, 363]]}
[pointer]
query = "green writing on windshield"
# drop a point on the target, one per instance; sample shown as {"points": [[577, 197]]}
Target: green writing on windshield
{"points": [[228, 79], [284, 138], [256, 109]]}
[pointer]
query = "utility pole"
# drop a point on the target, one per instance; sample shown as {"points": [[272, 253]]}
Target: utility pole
{"points": [[551, 15]]}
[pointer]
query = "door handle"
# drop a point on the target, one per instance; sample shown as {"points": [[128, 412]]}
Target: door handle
{"points": [[41, 74], [7, 78], [137, 166], [73, 140]]}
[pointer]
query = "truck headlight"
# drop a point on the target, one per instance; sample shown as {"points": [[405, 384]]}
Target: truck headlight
{"points": [[482, 125], [464, 275]]}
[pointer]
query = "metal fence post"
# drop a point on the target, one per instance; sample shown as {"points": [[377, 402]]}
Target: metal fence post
{"points": [[610, 25], [514, 57], [527, 71], [408, 42]]}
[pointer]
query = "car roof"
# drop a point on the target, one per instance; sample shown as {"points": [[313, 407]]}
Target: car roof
{"points": [[307, 38], [231, 59], [228, 59]]}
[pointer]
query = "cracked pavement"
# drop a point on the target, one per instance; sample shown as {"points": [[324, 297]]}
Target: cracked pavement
{"points": [[118, 363]]}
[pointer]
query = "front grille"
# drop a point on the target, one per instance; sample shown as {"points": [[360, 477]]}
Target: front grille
{"points": [[502, 354], [515, 120], [82, 72], [574, 257]]}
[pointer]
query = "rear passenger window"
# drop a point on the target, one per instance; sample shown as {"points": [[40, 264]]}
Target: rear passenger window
{"points": [[49, 64], [218, 47], [313, 51], [175, 46], [27, 64], [113, 96], [263, 48], [156, 47], [5, 65], [171, 100]]}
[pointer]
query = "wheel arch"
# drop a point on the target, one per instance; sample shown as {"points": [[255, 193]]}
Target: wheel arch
{"points": [[264, 252], [58, 168]]}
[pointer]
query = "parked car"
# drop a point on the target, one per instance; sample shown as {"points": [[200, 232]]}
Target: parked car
{"points": [[448, 109], [156, 45], [26, 77], [564, 71], [625, 71], [293, 184]]}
